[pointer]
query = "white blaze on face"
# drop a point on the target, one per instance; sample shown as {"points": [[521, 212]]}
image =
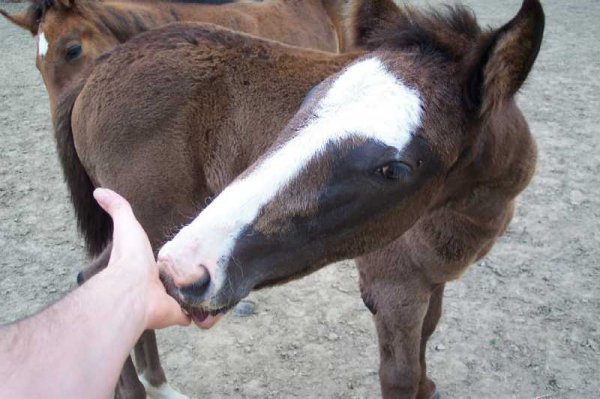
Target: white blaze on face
{"points": [[42, 44], [366, 101]]}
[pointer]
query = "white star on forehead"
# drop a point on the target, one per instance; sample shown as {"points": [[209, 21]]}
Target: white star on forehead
{"points": [[42, 45]]}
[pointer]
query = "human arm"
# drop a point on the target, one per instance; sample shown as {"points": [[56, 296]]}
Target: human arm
{"points": [[76, 347]]}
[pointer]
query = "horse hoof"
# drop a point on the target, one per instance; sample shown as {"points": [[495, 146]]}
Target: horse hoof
{"points": [[80, 279], [244, 308], [163, 391], [436, 395]]}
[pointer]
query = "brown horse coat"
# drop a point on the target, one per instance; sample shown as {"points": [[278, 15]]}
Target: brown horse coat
{"points": [[71, 34], [416, 203]]}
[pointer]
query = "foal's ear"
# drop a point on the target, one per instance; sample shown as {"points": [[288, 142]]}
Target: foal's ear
{"points": [[499, 66], [23, 20], [368, 17]]}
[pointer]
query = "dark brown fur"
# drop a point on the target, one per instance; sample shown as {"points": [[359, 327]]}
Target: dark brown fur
{"points": [[210, 102], [95, 224]]}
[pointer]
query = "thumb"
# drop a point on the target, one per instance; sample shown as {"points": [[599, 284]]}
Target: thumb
{"points": [[166, 312], [124, 221], [112, 202]]}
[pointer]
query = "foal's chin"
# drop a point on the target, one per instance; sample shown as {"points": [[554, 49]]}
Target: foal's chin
{"points": [[203, 318]]}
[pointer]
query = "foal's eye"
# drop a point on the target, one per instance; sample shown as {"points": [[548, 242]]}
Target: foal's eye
{"points": [[394, 170], [73, 52]]}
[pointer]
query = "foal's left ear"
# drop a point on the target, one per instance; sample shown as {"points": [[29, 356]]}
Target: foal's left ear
{"points": [[23, 20], [499, 66]]}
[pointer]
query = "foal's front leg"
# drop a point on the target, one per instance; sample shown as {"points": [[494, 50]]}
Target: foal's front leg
{"points": [[128, 385], [427, 388], [405, 315], [399, 322], [152, 375]]}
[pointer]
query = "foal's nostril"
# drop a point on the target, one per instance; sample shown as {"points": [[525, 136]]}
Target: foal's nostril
{"points": [[198, 287]]}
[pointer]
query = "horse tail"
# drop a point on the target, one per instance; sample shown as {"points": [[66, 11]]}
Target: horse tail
{"points": [[94, 224]]}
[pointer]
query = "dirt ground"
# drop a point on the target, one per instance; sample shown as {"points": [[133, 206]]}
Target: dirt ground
{"points": [[523, 323]]}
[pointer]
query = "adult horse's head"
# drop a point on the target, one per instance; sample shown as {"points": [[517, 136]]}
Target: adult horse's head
{"points": [[69, 35], [376, 147]]}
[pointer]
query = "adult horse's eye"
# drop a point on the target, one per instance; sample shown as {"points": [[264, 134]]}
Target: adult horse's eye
{"points": [[73, 52], [395, 170]]}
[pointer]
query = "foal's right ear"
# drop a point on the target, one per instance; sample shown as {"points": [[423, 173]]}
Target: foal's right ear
{"points": [[23, 20], [499, 65]]}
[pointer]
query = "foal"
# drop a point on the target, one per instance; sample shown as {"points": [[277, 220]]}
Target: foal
{"points": [[70, 34], [408, 156]]}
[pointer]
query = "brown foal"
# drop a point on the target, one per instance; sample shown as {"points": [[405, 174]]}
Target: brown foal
{"points": [[406, 155]]}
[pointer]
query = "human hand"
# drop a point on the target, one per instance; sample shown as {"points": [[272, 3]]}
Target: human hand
{"points": [[132, 260]]}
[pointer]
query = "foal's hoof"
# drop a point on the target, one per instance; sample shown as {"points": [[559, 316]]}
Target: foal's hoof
{"points": [[164, 391], [436, 395], [244, 309]]}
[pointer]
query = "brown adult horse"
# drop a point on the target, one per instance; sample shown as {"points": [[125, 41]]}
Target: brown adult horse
{"points": [[70, 34], [408, 155]]}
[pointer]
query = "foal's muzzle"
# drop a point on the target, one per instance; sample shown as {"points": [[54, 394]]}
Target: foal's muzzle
{"points": [[196, 292]]}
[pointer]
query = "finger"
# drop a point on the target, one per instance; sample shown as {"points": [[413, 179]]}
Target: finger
{"points": [[182, 319], [115, 205], [119, 210], [170, 314], [177, 316]]}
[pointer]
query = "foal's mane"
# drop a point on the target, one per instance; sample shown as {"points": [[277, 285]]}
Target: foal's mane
{"points": [[447, 31]]}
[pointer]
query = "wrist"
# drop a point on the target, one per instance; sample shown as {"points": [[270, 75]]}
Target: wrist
{"points": [[128, 293]]}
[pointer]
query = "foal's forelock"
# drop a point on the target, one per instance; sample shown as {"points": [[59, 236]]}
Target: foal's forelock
{"points": [[365, 101]]}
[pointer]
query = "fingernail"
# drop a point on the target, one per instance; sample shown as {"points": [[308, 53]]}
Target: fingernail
{"points": [[100, 195], [99, 192]]}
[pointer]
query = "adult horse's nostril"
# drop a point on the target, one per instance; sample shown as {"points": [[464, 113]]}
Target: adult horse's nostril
{"points": [[198, 287]]}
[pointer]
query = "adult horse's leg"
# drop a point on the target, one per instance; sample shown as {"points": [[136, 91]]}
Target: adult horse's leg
{"points": [[427, 387]]}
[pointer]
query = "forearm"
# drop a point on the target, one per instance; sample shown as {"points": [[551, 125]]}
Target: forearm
{"points": [[76, 347]]}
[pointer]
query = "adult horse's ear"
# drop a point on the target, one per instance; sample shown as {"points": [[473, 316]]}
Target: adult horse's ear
{"points": [[25, 20], [499, 65], [65, 4], [366, 18]]}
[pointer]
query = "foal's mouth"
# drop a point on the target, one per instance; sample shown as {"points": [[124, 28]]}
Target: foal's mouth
{"points": [[202, 316]]}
